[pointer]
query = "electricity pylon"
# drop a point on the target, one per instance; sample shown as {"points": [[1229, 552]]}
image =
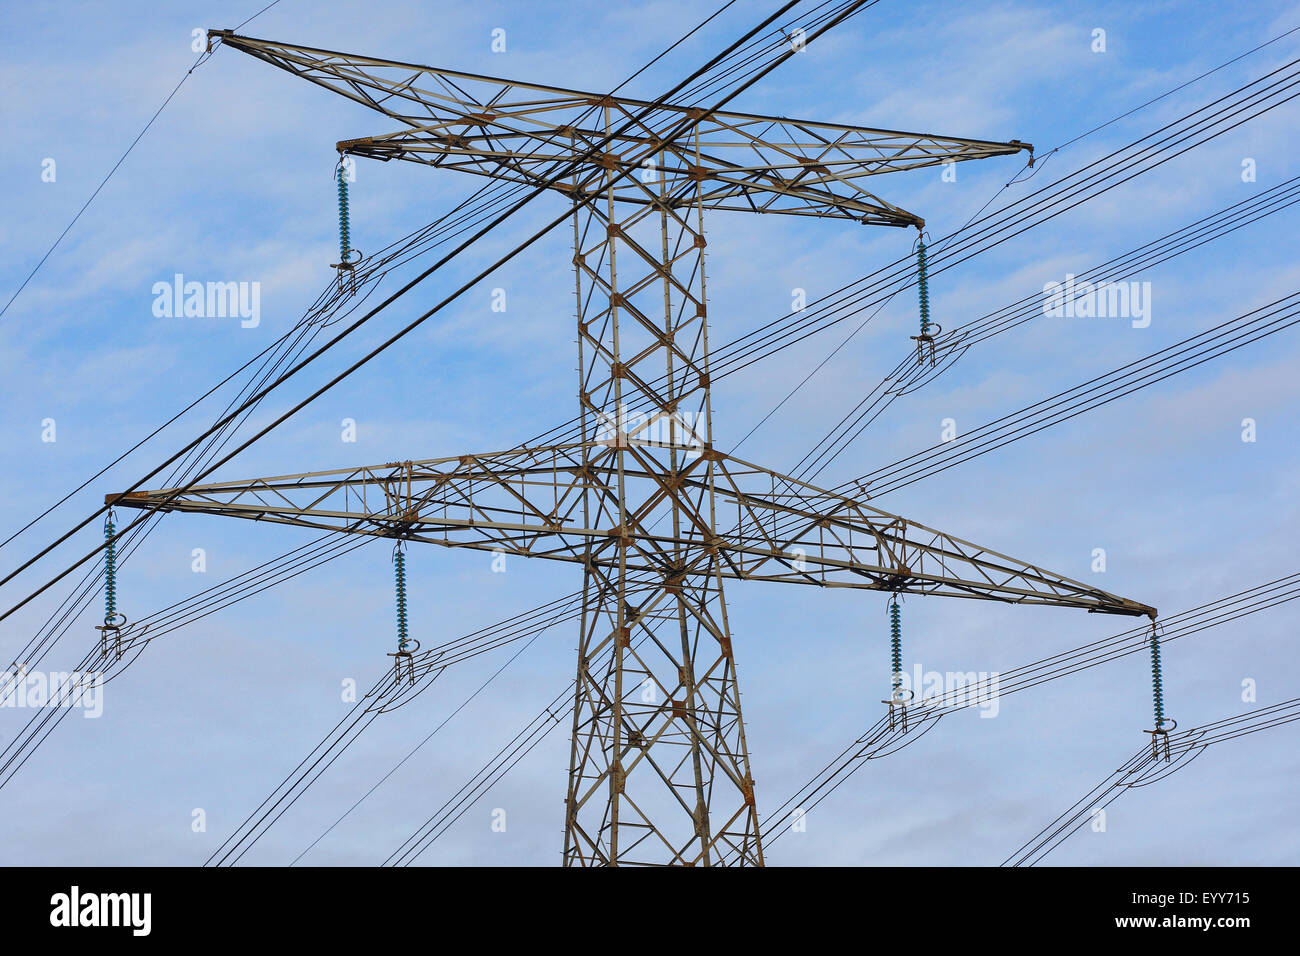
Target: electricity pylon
{"points": [[640, 497]]}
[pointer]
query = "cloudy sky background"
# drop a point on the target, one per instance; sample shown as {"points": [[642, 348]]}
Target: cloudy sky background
{"points": [[233, 182]]}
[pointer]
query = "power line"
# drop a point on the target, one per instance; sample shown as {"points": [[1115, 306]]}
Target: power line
{"points": [[882, 738], [1145, 768], [203, 58]]}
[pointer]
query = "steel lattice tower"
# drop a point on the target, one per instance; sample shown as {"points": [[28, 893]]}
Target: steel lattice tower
{"points": [[641, 498]]}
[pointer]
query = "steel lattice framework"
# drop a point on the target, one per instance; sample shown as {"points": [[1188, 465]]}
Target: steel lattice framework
{"points": [[657, 517]]}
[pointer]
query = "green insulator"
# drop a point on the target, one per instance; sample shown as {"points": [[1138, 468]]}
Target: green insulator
{"points": [[896, 646], [923, 289], [110, 571], [1157, 681], [345, 241], [399, 564]]}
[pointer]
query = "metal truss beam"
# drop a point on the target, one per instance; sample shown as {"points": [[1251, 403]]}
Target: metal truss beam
{"points": [[521, 132], [529, 503]]}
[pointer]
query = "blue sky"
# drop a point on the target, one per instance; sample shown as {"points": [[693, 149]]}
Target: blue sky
{"points": [[233, 183]]}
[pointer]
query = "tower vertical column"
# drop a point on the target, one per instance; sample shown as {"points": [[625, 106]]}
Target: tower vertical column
{"points": [[659, 770]]}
